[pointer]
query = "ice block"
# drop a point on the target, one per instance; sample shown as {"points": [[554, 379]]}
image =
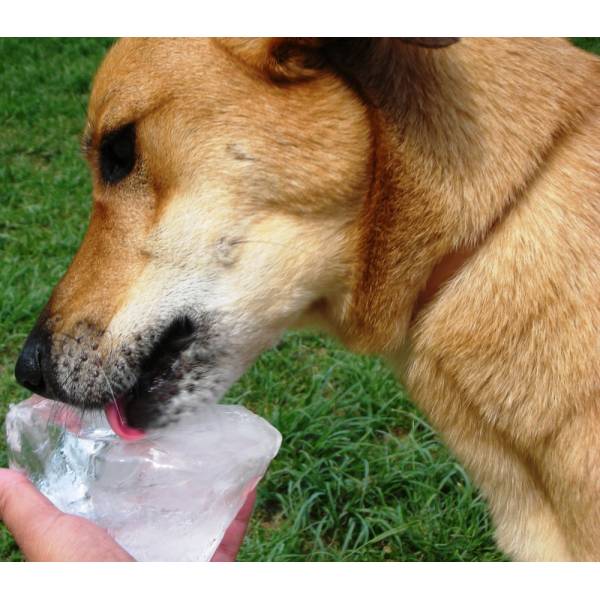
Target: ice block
{"points": [[168, 496]]}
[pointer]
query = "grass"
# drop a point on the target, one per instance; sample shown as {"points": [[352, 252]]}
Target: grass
{"points": [[360, 476]]}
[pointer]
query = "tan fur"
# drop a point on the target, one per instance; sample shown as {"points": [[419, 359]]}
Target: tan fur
{"points": [[349, 171]]}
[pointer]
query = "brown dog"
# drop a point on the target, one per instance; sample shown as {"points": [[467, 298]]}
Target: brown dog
{"points": [[438, 206]]}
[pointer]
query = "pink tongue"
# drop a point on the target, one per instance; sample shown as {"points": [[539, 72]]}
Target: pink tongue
{"points": [[115, 413]]}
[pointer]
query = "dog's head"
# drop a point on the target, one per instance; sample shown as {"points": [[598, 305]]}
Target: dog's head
{"points": [[228, 180]]}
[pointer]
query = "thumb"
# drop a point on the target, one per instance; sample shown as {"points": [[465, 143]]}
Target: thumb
{"points": [[45, 533]]}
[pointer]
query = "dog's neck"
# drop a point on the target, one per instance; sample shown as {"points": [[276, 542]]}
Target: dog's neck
{"points": [[459, 135]]}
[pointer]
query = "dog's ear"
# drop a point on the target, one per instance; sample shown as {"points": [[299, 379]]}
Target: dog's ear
{"points": [[430, 42], [379, 68], [281, 59], [292, 59]]}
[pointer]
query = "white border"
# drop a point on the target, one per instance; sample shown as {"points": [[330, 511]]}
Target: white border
{"points": [[300, 17], [299, 581]]}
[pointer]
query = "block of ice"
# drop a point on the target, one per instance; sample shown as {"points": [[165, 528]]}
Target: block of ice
{"points": [[168, 496]]}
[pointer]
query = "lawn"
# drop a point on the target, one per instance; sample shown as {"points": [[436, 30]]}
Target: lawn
{"points": [[360, 476]]}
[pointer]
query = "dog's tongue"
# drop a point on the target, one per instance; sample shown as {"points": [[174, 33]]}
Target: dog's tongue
{"points": [[115, 413]]}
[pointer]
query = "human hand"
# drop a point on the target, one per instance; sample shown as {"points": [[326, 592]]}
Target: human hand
{"points": [[44, 533], [234, 536]]}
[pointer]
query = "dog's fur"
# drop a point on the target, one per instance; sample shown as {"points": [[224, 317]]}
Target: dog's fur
{"points": [[282, 183]]}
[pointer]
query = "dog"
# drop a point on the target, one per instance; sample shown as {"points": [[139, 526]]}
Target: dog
{"points": [[431, 200]]}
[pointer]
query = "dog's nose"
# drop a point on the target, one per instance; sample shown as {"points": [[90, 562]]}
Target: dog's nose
{"points": [[28, 370]]}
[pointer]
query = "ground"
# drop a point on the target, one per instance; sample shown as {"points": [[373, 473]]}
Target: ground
{"points": [[360, 476]]}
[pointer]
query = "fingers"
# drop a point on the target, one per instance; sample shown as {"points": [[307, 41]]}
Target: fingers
{"points": [[22, 508], [246, 510], [234, 536], [46, 534]]}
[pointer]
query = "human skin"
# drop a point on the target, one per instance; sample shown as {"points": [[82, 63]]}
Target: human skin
{"points": [[44, 533]]}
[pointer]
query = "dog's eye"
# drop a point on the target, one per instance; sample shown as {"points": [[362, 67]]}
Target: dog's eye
{"points": [[117, 154]]}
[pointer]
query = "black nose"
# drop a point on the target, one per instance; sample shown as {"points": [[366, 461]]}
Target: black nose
{"points": [[28, 369]]}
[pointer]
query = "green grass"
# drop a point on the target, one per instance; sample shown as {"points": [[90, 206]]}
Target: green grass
{"points": [[591, 44], [360, 476]]}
